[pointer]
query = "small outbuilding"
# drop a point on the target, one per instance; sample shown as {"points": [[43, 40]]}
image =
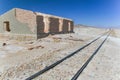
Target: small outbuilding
{"points": [[24, 24]]}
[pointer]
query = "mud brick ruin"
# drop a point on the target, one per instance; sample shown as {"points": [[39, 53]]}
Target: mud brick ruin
{"points": [[24, 24]]}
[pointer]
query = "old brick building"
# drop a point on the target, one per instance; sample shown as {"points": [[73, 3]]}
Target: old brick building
{"points": [[24, 24]]}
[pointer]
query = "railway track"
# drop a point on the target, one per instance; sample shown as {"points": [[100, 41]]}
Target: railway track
{"points": [[88, 61], [70, 55]]}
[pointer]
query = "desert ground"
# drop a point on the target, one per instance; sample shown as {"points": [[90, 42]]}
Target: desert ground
{"points": [[21, 59]]}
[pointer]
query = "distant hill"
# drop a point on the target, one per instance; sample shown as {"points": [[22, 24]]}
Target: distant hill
{"points": [[82, 25]]}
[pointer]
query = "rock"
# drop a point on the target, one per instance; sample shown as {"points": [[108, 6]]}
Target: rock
{"points": [[39, 47], [30, 48], [4, 44], [30, 42], [36, 47]]}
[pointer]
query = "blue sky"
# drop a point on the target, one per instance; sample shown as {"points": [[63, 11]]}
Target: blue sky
{"points": [[101, 13]]}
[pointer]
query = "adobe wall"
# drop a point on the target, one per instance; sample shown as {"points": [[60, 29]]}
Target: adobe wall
{"points": [[19, 37], [40, 24], [53, 24], [24, 22], [16, 27], [71, 26], [65, 27], [27, 17]]}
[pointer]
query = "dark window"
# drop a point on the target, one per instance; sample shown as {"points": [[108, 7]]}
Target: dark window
{"points": [[7, 26]]}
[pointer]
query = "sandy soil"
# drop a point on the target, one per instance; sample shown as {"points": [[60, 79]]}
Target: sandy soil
{"points": [[69, 67], [18, 60], [106, 64]]}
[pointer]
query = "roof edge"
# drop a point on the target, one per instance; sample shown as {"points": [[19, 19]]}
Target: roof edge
{"points": [[38, 13]]}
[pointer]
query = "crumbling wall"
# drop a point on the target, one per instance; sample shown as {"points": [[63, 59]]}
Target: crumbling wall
{"points": [[24, 22], [16, 27], [27, 17], [54, 25], [40, 24], [71, 26], [65, 26], [40, 27]]}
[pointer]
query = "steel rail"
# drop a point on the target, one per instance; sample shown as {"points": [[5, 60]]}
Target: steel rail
{"points": [[88, 61], [61, 60]]}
